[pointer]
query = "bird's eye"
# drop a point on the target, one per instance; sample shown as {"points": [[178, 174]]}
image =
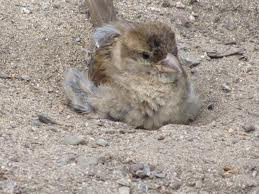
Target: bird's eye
{"points": [[145, 55]]}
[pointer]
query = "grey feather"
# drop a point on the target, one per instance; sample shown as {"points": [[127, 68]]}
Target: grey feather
{"points": [[103, 34], [77, 88]]}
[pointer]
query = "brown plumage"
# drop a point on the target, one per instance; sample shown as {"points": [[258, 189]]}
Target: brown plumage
{"points": [[134, 77]]}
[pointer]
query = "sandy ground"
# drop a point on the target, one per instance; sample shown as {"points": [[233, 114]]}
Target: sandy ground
{"points": [[218, 153]]}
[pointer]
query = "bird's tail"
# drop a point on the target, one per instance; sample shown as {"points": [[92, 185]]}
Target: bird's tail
{"points": [[78, 88], [101, 12]]}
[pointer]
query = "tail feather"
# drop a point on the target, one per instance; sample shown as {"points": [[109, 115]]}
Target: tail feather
{"points": [[101, 12], [77, 89]]}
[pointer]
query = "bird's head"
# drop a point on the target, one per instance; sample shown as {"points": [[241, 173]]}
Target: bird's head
{"points": [[143, 49], [148, 49]]}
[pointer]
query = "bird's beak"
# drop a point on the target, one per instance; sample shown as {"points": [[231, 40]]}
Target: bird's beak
{"points": [[170, 64]]}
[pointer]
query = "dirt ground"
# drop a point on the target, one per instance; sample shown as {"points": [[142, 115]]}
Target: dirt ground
{"points": [[218, 153]]}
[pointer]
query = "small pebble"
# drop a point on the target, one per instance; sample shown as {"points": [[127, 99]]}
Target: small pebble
{"points": [[104, 158], [45, 5], [87, 161], [192, 18], [161, 137], [254, 173], [226, 88], [180, 5], [56, 6], [26, 10], [52, 129], [143, 188], [124, 182], [46, 119], [230, 42], [25, 78], [78, 39], [136, 167], [159, 175], [235, 141], [194, 14], [230, 24], [193, 1], [191, 182], [198, 184], [189, 59], [213, 124], [166, 4], [124, 190], [210, 107], [140, 170], [147, 170], [108, 131], [74, 140], [249, 128], [193, 71], [183, 21], [36, 123], [176, 185], [138, 16], [124, 131], [102, 142], [67, 159]]}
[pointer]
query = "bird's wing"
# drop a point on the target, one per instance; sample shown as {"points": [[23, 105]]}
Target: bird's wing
{"points": [[105, 39], [104, 35], [102, 12], [101, 61], [108, 28]]}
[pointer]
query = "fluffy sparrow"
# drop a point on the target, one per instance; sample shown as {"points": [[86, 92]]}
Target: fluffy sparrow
{"points": [[134, 77]]}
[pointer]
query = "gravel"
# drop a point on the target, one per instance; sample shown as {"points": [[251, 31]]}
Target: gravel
{"points": [[41, 39]]}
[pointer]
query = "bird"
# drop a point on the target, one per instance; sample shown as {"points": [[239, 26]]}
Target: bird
{"points": [[135, 75]]}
